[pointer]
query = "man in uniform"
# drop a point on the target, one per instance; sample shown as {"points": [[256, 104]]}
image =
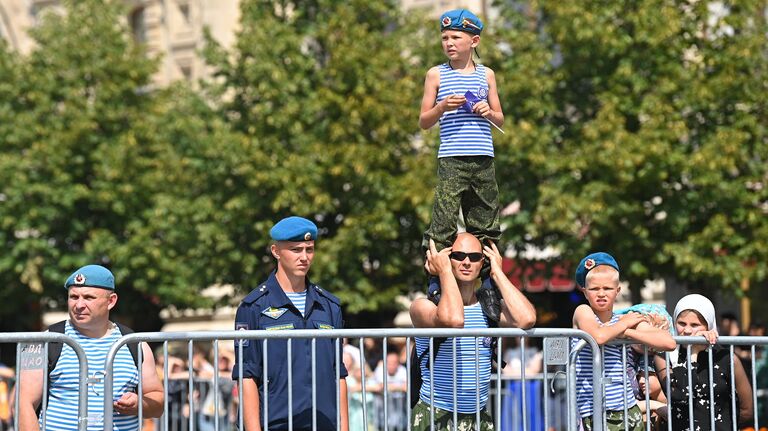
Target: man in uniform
{"points": [[288, 300]]}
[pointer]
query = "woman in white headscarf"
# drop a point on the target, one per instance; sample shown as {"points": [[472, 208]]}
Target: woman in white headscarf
{"points": [[695, 316]]}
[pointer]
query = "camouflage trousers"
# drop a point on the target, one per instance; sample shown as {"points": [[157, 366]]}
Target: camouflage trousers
{"points": [[420, 420], [469, 183], [615, 420]]}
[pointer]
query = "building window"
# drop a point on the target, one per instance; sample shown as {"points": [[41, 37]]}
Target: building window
{"points": [[138, 25], [186, 71], [184, 9]]}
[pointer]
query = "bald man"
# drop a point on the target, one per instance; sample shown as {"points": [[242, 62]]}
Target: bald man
{"points": [[458, 268]]}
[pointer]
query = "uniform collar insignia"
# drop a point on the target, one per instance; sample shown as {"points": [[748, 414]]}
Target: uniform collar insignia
{"points": [[273, 312]]}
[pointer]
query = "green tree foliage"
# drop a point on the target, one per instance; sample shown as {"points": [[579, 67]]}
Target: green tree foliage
{"points": [[324, 96], [79, 164], [639, 128], [633, 127]]}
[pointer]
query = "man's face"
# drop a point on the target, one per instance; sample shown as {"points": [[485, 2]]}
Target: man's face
{"points": [[602, 289], [465, 249], [89, 306], [393, 363], [294, 258]]}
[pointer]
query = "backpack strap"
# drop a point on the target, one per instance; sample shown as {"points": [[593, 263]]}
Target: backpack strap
{"points": [[132, 347], [54, 349]]}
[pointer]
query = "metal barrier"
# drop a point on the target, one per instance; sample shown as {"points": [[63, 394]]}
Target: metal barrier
{"points": [[559, 335], [646, 370], [33, 355]]}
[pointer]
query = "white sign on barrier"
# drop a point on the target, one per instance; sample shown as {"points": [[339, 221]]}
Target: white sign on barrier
{"points": [[32, 357], [557, 351]]}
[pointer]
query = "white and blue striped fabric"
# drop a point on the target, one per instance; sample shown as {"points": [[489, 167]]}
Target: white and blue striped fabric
{"points": [[467, 380], [299, 300], [615, 373], [462, 132], [65, 376]]}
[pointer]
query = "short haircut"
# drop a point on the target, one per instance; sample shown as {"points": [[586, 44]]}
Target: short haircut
{"points": [[602, 269]]}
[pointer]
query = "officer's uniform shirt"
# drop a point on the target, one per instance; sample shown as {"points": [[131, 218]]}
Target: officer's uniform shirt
{"points": [[268, 307]]}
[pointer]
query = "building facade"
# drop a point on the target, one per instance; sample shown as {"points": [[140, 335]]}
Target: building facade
{"points": [[173, 29], [170, 29]]}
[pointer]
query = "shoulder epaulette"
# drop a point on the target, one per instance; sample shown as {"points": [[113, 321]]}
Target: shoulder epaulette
{"points": [[326, 294], [255, 294]]}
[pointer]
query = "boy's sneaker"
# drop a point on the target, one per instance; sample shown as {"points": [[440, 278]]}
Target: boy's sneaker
{"points": [[489, 297]]}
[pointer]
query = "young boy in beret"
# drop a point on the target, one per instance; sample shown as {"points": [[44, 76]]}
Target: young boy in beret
{"points": [[598, 278], [461, 96]]}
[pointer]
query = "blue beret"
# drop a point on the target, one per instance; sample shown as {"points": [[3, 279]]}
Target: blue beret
{"points": [[592, 261], [91, 276], [461, 19], [294, 229]]}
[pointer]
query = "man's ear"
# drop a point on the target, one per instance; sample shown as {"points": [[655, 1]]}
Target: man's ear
{"points": [[112, 301], [475, 40], [273, 249]]}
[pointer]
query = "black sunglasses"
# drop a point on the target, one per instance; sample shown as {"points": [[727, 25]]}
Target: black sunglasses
{"points": [[460, 256]]}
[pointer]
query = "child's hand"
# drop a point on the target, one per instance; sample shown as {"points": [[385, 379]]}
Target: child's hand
{"points": [[482, 109], [711, 336], [438, 262], [452, 102], [632, 319]]}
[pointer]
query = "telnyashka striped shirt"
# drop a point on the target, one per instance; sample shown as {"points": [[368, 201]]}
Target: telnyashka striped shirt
{"points": [[468, 383], [299, 300], [61, 412], [462, 132], [617, 376]]}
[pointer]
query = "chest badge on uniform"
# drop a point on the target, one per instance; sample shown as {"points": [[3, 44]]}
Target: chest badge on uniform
{"points": [[274, 313]]}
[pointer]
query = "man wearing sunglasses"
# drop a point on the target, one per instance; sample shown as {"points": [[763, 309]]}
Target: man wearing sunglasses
{"points": [[458, 268]]}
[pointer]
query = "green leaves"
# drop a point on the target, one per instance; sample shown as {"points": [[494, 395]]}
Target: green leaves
{"points": [[636, 128], [644, 137]]}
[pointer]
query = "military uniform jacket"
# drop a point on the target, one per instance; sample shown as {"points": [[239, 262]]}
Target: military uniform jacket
{"points": [[268, 308]]}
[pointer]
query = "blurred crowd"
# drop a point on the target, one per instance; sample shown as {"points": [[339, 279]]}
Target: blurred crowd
{"points": [[196, 405]]}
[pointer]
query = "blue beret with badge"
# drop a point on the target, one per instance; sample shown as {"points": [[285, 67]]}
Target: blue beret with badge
{"points": [[592, 261], [294, 229], [91, 276], [461, 19]]}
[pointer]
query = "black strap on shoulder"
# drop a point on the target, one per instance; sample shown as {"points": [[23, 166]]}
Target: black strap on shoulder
{"points": [[54, 349], [132, 347]]}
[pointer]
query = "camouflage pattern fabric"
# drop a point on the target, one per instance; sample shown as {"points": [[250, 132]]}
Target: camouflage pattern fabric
{"points": [[615, 420], [468, 182], [420, 420]]}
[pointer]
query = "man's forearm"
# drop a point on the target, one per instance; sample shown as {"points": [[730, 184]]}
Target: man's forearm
{"points": [[343, 405], [152, 404], [28, 419], [521, 312], [251, 407]]}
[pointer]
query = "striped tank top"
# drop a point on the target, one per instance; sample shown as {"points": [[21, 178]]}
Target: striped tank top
{"points": [[468, 382], [65, 376], [462, 132], [615, 375]]}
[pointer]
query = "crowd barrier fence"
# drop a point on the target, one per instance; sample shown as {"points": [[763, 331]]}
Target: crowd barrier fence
{"points": [[557, 352], [32, 354], [510, 400], [645, 369]]}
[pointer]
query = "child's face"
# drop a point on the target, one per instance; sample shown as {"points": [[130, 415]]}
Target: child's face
{"points": [[457, 44], [688, 323], [601, 291]]}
